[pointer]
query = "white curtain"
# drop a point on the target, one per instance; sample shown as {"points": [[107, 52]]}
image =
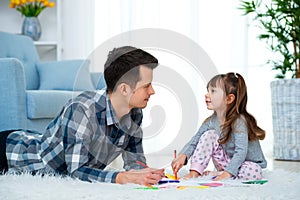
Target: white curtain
{"points": [[77, 28], [217, 26]]}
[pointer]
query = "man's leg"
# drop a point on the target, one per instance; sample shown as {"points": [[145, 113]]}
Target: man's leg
{"points": [[3, 159]]}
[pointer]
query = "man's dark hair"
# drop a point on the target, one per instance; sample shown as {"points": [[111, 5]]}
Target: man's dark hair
{"points": [[122, 66]]}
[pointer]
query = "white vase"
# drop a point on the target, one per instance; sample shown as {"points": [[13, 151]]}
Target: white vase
{"points": [[286, 118]]}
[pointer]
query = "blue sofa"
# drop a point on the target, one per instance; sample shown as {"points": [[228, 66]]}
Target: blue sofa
{"points": [[32, 92]]}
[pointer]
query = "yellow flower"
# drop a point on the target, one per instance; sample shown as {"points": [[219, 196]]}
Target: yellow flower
{"points": [[12, 5], [51, 4], [30, 8], [17, 2]]}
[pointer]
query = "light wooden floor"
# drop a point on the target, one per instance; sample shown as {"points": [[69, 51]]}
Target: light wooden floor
{"points": [[293, 166]]}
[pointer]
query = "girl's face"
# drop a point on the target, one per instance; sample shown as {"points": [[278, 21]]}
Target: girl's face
{"points": [[215, 99]]}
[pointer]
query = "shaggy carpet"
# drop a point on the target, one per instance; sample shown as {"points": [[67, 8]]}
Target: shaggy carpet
{"points": [[281, 185]]}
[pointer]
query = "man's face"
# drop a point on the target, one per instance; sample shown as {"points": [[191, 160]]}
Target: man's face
{"points": [[143, 90]]}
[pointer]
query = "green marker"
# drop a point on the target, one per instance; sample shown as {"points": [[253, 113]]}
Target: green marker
{"points": [[146, 188], [255, 182]]}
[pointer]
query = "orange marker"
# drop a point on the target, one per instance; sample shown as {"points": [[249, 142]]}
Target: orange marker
{"points": [[142, 164], [175, 174]]}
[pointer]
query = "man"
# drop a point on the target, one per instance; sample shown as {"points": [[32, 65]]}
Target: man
{"points": [[94, 128]]}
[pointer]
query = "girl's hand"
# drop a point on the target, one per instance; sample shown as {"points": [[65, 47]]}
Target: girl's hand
{"points": [[178, 162], [222, 176]]}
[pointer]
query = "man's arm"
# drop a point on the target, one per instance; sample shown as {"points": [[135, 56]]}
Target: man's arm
{"points": [[91, 174], [135, 161], [78, 134], [134, 154]]}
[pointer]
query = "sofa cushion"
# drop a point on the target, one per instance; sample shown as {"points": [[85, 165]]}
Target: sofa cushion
{"points": [[98, 80], [65, 75], [47, 103]]}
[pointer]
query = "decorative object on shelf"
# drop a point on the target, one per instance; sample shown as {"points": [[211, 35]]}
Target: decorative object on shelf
{"points": [[280, 22], [31, 9], [32, 28]]}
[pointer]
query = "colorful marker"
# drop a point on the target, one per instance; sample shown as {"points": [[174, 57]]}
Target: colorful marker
{"points": [[146, 188], [142, 164], [255, 182], [167, 181], [170, 176], [176, 178]]}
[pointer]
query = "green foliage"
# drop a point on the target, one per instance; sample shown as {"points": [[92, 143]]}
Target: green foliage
{"points": [[31, 10], [280, 23]]}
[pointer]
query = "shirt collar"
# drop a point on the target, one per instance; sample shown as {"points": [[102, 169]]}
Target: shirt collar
{"points": [[111, 116]]}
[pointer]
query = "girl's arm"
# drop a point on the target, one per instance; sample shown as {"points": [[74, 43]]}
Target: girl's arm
{"points": [[190, 147], [237, 147]]}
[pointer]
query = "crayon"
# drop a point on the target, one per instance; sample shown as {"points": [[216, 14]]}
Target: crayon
{"points": [[142, 164], [175, 174], [255, 182], [146, 188]]}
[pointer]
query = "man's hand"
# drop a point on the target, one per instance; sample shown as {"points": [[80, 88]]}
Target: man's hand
{"points": [[147, 176], [178, 162]]}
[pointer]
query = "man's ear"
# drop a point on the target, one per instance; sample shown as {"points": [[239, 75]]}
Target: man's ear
{"points": [[124, 89], [230, 98]]}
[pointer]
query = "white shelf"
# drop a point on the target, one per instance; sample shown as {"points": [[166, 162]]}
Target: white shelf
{"points": [[45, 43], [50, 48]]}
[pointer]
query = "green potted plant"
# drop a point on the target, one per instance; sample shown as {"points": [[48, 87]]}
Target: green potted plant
{"points": [[279, 21]]}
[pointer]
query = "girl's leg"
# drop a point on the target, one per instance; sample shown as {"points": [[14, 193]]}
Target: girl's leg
{"points": [[206, 148], [220, 158], [250, 171]]}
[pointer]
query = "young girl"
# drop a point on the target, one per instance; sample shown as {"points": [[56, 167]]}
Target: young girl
{"points": [[230, 136]]}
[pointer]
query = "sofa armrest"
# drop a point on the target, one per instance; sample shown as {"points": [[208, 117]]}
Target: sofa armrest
{"points": [[13, 98]]}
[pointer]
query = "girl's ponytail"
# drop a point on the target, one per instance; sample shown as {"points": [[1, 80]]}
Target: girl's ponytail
{"points": [[235, 84], [241, 94]]}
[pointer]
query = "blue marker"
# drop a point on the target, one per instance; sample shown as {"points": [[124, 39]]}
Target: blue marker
{"points": [[167, 181]]}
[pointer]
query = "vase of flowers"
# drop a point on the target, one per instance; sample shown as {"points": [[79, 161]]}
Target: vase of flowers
{"points": [[32, 28], [31, 9]]}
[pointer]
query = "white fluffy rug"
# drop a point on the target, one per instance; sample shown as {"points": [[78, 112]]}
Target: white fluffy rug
{"points": [[281, 185]]}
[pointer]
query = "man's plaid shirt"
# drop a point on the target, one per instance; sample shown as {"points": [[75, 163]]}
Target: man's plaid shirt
{"points": [[81, 141]]}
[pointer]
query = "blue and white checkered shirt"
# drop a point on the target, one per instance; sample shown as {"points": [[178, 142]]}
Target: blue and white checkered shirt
{"points": [[81, 141]]}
